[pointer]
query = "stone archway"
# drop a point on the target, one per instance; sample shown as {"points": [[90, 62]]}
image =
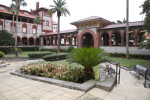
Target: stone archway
{"points": [[90, 39]]}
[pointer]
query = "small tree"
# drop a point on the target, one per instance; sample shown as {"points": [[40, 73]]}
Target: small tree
{"points": [[18, 3], [37, 21], [59, 7], [13, 10], [88, 57], [6, 38]]}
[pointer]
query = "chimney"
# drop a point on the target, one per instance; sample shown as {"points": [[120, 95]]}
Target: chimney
{"points": [[32, 11], [37, 5]]}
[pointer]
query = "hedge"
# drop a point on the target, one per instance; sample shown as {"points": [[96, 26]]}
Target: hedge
{"points": [[53, 50], [38, 55], [29, 48], [6, 50], [136, 56], [55, 57]]}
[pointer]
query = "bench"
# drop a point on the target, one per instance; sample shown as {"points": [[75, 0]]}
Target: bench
{"points": [[141, 71]]}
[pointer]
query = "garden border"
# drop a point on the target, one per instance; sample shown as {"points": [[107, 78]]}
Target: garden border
{"points": [[107, 85]]}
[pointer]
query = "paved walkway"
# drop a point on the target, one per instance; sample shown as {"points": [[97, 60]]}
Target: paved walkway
{"points": [[18, 88]]}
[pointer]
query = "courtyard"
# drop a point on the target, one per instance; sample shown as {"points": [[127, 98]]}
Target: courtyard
{"points": [[18, 88]]}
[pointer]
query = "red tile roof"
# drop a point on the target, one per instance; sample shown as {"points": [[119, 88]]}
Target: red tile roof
{"points": [[61, 32], [138, 23], [90, 18], [20, 14]]}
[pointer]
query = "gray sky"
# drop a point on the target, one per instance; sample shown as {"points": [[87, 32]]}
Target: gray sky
{"points": [[109, 9]]}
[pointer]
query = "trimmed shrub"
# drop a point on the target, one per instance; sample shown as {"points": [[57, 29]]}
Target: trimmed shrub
{"points": [[136, 56], [1, 54], [70, 49], [53, 50], [55, 57], [29, 48], [38, 55]]}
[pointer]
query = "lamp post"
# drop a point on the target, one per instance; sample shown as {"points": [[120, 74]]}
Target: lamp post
{"points": [[127, 29]]}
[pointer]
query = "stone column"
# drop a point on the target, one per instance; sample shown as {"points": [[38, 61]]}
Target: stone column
{"points": [[122, 38], [41, 41], [20, 41], [27, 41], [46, 40], [136, 37], [35, 41], [70, 40], [50, 42], [110, 38]]}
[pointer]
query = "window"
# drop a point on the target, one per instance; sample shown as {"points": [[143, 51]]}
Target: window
{"points": [[0, 27], [34, 30], [24, 30]]}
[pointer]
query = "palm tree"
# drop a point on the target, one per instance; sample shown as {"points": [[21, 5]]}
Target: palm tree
{"points": [[37, 20], [127, 30], [59, 7], [13, 10], [18, 3], [88, 57]]}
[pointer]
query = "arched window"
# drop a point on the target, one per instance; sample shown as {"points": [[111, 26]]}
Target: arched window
{"points": [[24, 28], [47, 23], [34, 31], [1, 25]]}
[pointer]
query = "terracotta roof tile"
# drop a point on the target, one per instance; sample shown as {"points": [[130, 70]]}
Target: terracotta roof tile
{"points": [[90, 18], [61, 32], [138, 23]]}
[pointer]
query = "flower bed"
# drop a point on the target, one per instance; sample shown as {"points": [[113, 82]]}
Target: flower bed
{"points": [[50, 70]]}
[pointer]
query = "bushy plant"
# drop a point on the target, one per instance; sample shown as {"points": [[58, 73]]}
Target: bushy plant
{"points": [[1, 54], [88, 57], [46, 69]]}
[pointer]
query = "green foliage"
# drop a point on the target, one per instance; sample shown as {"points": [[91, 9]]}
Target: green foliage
{"points": [[53, 50], [145, 44], [59, 7], [37, 20], [136, 56], [29, 48], [6, 50], [50, 70], [19, 50], [1, 54], [55, 57], [38, 55], [6, 38], [70, 49], [88, 57]]}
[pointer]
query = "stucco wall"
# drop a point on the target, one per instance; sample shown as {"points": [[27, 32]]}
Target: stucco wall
{"points": [[132, 50], [20, 33]]}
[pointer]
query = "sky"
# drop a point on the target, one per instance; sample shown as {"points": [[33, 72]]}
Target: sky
{"points": [[111, 10]]}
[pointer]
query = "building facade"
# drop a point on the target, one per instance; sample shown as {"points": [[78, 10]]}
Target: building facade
{"points": [[98, 32], [27, 32]]}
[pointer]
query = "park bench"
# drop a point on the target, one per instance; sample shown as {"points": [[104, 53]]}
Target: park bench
{"points": [[141, 71]]}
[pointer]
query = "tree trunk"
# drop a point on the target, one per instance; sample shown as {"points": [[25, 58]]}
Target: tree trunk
{"points": [[88, 72], [58, 35], [13, 25], [127, 30], [4, 22], [36, 37], [16, 51]]}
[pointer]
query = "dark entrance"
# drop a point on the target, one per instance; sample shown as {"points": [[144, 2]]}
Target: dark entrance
{"points": [[87, 40]]}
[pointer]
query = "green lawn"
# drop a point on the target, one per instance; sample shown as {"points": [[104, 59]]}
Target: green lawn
{"points": [[129, 62], [22, 54]]}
